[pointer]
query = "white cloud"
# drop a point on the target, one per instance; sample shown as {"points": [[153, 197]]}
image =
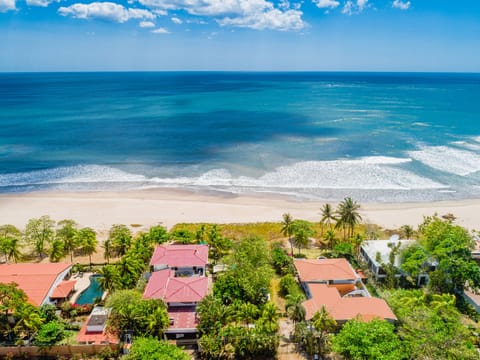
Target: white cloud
{"points": [[357, 7], [176, 20], [105, 11], [399, 4], [160, 31], [255, 14], [273, 19], [361, 4], [6, 5], [330, 4], [42, 3], [147, 24]]}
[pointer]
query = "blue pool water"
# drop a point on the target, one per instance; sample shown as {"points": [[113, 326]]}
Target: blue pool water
{"points": [[91, 293]]}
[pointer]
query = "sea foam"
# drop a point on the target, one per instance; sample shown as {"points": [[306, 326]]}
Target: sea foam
{"points": [[448, 159]]}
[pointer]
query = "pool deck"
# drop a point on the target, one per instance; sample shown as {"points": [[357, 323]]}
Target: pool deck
{"points": [[83, 282]]}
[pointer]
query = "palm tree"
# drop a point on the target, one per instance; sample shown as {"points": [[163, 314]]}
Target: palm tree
{"points": [[323, 324], [10, 242], [107, 250], [287, 228], [302, 230], [330, 238], [68, 235], [348, 216], [87, 239], [248, 312], [328, 215], [28, 320], [269, 317], [57, 251], [295, 310], [110, 278]]}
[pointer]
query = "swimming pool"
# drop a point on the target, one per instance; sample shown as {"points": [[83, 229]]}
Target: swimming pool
{"points": [[93, 291]]}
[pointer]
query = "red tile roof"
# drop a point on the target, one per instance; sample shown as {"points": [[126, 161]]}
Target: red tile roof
{"points": [[343, 309], [180, 255], [63, 290], [324, 270], [96, 338], [183, 318], [36, 280], [163, 285]]}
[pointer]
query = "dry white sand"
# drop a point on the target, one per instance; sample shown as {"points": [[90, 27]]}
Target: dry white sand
{"points": [[168, 207]]}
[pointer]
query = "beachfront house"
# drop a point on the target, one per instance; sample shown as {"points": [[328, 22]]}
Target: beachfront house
{"points": [[185, 260], [179, 279], [377, 252], [42, 283], [334, 284]]}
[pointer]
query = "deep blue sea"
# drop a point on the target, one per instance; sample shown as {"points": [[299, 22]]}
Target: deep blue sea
{"points": [[373, 136]]}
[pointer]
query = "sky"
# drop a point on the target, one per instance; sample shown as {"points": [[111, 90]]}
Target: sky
{"points": [[240, 35]]}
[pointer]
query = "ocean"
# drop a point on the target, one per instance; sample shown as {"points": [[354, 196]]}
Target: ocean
{"points": [[378, 137]]}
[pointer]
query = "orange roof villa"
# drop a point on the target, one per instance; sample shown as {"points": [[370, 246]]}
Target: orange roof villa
{"points": [[42, 283], [179, 279], [334, 284]]}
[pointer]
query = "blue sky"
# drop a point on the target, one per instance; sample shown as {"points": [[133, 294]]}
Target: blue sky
{"points": [[272, 35]]}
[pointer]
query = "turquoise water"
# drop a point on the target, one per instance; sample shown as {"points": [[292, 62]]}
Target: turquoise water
{"points": [[373, 136], [91, 293]]}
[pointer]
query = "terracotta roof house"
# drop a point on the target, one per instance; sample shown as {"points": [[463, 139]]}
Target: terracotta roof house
{"points": [[184, 259], [334, 284], [42, 283], [178, 278], [94, 330]]}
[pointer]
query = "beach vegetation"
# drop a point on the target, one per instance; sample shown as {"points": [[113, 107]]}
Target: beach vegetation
{"points": [[158, 234], [183, 236], [40, 233], [328, 217], [219, 246], [120, 240], [281, 262], [149, 348], [407, 231], [348, 217], [287, 229], [56, 251], [86, 238], [302, 232], [10, 243], [67, 234]]}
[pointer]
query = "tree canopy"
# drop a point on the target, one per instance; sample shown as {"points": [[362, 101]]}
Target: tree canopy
{"points": [[147, 348]]}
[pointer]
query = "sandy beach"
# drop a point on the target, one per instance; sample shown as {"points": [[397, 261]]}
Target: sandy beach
{"points": [[168, 207]]}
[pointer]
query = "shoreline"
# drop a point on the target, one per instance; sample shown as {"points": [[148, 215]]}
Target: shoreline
{"points": [[168, 207]]}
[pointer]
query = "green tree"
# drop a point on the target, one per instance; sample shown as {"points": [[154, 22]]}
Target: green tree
{"points": [[10, 242], [328, 216], [153, 349], [287, 228], [120, 239], [431, 326], [451, 246], [218, 245], [330, 238], [375, 339], [28, 320], [302, 231], [269, 318], [57, 250], [107, 250], [323, 324], [348, 216], [131, 312], [293, 305], [67, 234], [282, 263], [50, 334], [158, 234], [110, 278], [87, 240], [130, 268], [40, 233]]}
